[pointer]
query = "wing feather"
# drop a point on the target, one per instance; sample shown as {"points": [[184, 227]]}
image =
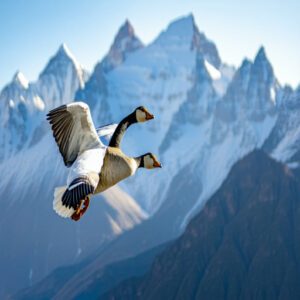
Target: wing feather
{"points": [[106, 132], [73, 130]]}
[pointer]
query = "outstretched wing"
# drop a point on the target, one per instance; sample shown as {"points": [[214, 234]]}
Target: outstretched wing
{"points": [[73, 130], [106, 131]]}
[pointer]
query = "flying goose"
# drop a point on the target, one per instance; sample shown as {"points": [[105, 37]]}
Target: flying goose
{"points": [[94, 166]]}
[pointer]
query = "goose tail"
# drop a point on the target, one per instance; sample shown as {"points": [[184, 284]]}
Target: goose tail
{"points": [[59, 208]]}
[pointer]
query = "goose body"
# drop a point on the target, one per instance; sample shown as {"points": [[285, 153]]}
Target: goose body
{"points": [[116, 167], [94, 167]]}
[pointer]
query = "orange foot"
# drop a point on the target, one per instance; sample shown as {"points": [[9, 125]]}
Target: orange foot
{"points": [[80, 211]]}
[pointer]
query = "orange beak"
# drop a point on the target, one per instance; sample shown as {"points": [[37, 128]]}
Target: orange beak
{"points": [[157, 164], [149, 116]]}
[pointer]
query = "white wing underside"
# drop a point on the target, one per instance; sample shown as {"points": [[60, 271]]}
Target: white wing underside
{"points": [[106, 132]]}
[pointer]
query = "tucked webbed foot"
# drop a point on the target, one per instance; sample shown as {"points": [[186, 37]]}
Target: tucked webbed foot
{"points": [[81, 211]]}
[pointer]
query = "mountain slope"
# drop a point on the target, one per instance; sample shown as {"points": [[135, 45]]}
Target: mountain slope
{"points": [[284, 140], [43, 240], [243, 245], [105, 279], [209, 134]]}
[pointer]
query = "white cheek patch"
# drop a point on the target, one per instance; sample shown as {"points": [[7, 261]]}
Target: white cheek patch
{"points": [[148, 162], [140, 116]]}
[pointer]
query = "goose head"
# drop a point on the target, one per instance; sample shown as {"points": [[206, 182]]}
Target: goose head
{"points": [[142, 114], [149, 161]]}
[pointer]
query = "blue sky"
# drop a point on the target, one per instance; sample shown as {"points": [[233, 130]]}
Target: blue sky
{"points": [[32, 30]]}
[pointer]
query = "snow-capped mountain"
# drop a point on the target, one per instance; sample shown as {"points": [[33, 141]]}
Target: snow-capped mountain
{"points": [[207, 116], [95, 91], [61, 78], [14, 112], [158, 76], [233, 126], [23, 105]]}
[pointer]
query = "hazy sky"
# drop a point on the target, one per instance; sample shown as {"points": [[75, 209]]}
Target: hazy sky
{"points": [[32, 30]]}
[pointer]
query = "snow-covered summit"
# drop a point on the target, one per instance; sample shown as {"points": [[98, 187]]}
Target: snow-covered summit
{"points": [[61, 78], [61, 57], [184, 33], [20, 79], [178, 33], [64, 64]]}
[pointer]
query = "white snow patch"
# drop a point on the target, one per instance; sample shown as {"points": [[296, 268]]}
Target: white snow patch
{"points": [[214, 73], [273, 95], [221, 84], [38, 103], [21, 79], [77, 65], [285, 149], [11, 103]]}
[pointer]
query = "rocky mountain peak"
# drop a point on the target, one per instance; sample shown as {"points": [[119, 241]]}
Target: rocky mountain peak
{"points": [[261, 54], [254, 88], [64, 50], [124, 43], [126, 30], [262, 63]]}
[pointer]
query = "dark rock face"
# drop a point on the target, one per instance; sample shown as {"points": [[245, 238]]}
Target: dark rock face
{"points": [[245, 243]]}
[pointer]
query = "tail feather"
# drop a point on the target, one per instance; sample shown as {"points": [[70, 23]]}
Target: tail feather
{"points": [[58, 206]]}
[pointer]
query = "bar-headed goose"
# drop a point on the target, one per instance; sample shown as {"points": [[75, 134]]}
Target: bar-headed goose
{"points": [[94, 166]]}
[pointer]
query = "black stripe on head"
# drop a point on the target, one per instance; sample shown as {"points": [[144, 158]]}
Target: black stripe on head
{"points": [[142, 164]]}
